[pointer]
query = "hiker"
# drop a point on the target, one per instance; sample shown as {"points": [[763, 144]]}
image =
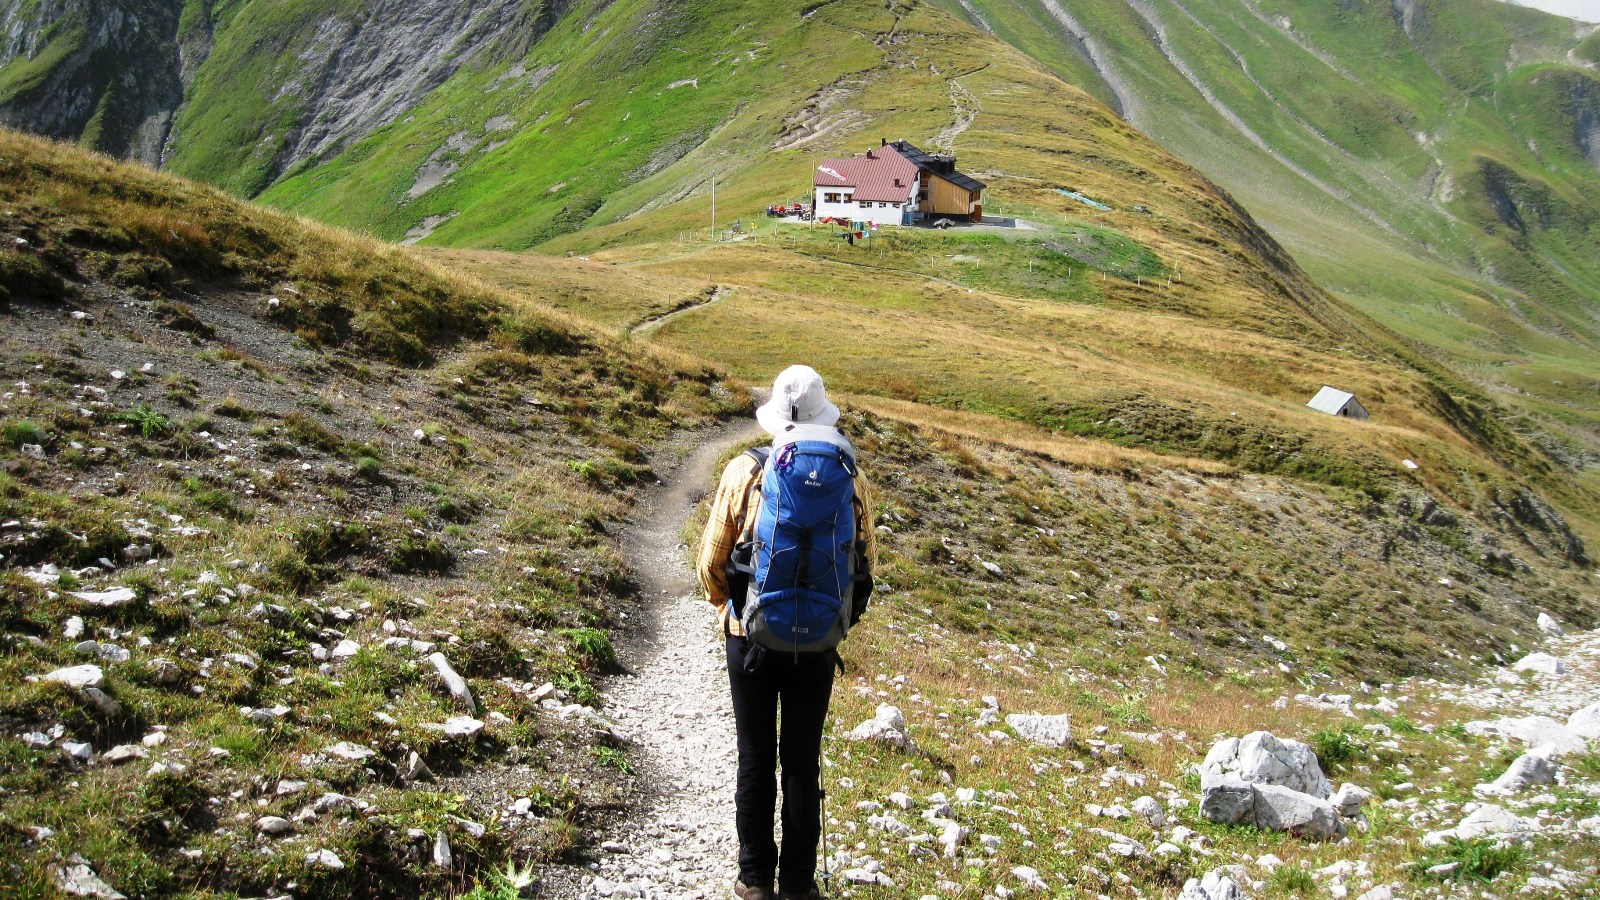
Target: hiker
{"points": [[752, 571]]}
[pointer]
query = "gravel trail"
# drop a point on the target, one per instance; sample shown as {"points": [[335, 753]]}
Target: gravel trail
{"points": [[673, 702]]}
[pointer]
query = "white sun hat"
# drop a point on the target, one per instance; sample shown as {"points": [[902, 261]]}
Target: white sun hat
{"points": [[798, 398]]}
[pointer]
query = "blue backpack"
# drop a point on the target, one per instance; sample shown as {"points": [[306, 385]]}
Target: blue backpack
{"points": [[799, 562]]}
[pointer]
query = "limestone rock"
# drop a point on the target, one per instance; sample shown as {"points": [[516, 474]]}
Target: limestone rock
{"points": [[1147, 809], [164, 671], [1534, 731], [453, 682], [1541, 663], [1029, 877], [86, 676], [1300, 814], [324, 859], [274, 825], [462, 727], [1537, 766], [416, 769], [442, 857], [1214, 886], [77, 879], [1262, 758], [120, 596], [888, 725], [1048, 731], [1487, 821], [352, 752], [102, 703], [1230, 800], [345, 649], [124, 753], [1349, 799], [1549, 625], [1585, 723]]}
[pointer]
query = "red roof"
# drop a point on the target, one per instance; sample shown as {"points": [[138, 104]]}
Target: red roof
{"points": [[873, 176]]}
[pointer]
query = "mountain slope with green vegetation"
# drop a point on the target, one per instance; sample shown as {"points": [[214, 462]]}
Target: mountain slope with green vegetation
{"points": [[584, 127], [258, 471], [1431, 163]]}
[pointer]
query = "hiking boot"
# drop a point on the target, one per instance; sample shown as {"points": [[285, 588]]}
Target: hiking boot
{"points": [[810, 893], [742, 891]]}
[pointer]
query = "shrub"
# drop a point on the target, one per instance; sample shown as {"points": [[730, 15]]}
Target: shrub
{"points": [[369, 468], [417, 555], [27, 278], [1333, 747], [25, 432]]}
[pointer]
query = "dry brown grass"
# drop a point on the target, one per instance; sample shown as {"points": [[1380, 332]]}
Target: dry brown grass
{"points": [[1071, 450]]}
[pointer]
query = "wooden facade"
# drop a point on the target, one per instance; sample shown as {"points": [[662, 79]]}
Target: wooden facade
{"points": [[943, 197]]}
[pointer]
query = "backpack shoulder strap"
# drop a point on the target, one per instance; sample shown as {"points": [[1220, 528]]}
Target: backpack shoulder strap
{"points": [[760, 455]]}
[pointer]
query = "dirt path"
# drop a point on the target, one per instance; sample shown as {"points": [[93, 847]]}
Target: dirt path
{"points": [[673, 702], [966, 111], [653, 322]]}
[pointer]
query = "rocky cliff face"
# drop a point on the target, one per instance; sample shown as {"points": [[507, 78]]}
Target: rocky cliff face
{"points": [[105, 72], [118, 74]]}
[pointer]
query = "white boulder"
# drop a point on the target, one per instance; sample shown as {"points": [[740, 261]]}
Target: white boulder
{"points": [[1585, 723], [324, 859], [1534, 731], [1537, 766], [888, 725], [86, 676], [1349, 799], [1487, 821], [1541, 664], [1262, 758], [1150, 812], [1049, 731], [121, 596], [1549, 625], [1214, 886], [1230, 800]]}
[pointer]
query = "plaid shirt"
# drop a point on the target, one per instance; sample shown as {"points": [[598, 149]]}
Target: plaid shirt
{"points": [[736, 502]]}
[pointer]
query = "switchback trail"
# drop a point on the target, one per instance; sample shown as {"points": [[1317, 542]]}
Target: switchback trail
{"points": [[673, 702]]}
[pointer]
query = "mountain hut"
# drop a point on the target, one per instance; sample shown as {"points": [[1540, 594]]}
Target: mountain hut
{"points": [[946, 193], [1335, 402]]}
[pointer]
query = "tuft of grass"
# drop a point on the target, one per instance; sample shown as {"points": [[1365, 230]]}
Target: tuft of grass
{"points": [[1335, 746], [24, 432], [1293, 880], [1481, 860], [150, 423]]}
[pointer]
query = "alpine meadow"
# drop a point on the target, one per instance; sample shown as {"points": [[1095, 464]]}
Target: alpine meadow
{"points": [[1234, 441]]}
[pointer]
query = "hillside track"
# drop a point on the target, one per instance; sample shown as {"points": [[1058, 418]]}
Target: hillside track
{"points": [[651, 323], [676, 838]]}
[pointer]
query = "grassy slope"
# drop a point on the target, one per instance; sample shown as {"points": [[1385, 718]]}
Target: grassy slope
{"points": [[266, 459], [1396, 129], [1200, 563]]}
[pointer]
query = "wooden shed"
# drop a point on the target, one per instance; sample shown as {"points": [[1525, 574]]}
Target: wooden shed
{"points": [[946, 192]]}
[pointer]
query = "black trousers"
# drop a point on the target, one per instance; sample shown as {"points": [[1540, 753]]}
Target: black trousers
{"points": [[802, 687]]}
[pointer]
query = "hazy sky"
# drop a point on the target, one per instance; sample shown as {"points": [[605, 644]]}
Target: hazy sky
{"points": [[1582, 10]]}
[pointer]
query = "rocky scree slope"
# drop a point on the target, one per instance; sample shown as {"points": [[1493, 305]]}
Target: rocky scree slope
{"points": [[269, 86], [306, 548]]}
